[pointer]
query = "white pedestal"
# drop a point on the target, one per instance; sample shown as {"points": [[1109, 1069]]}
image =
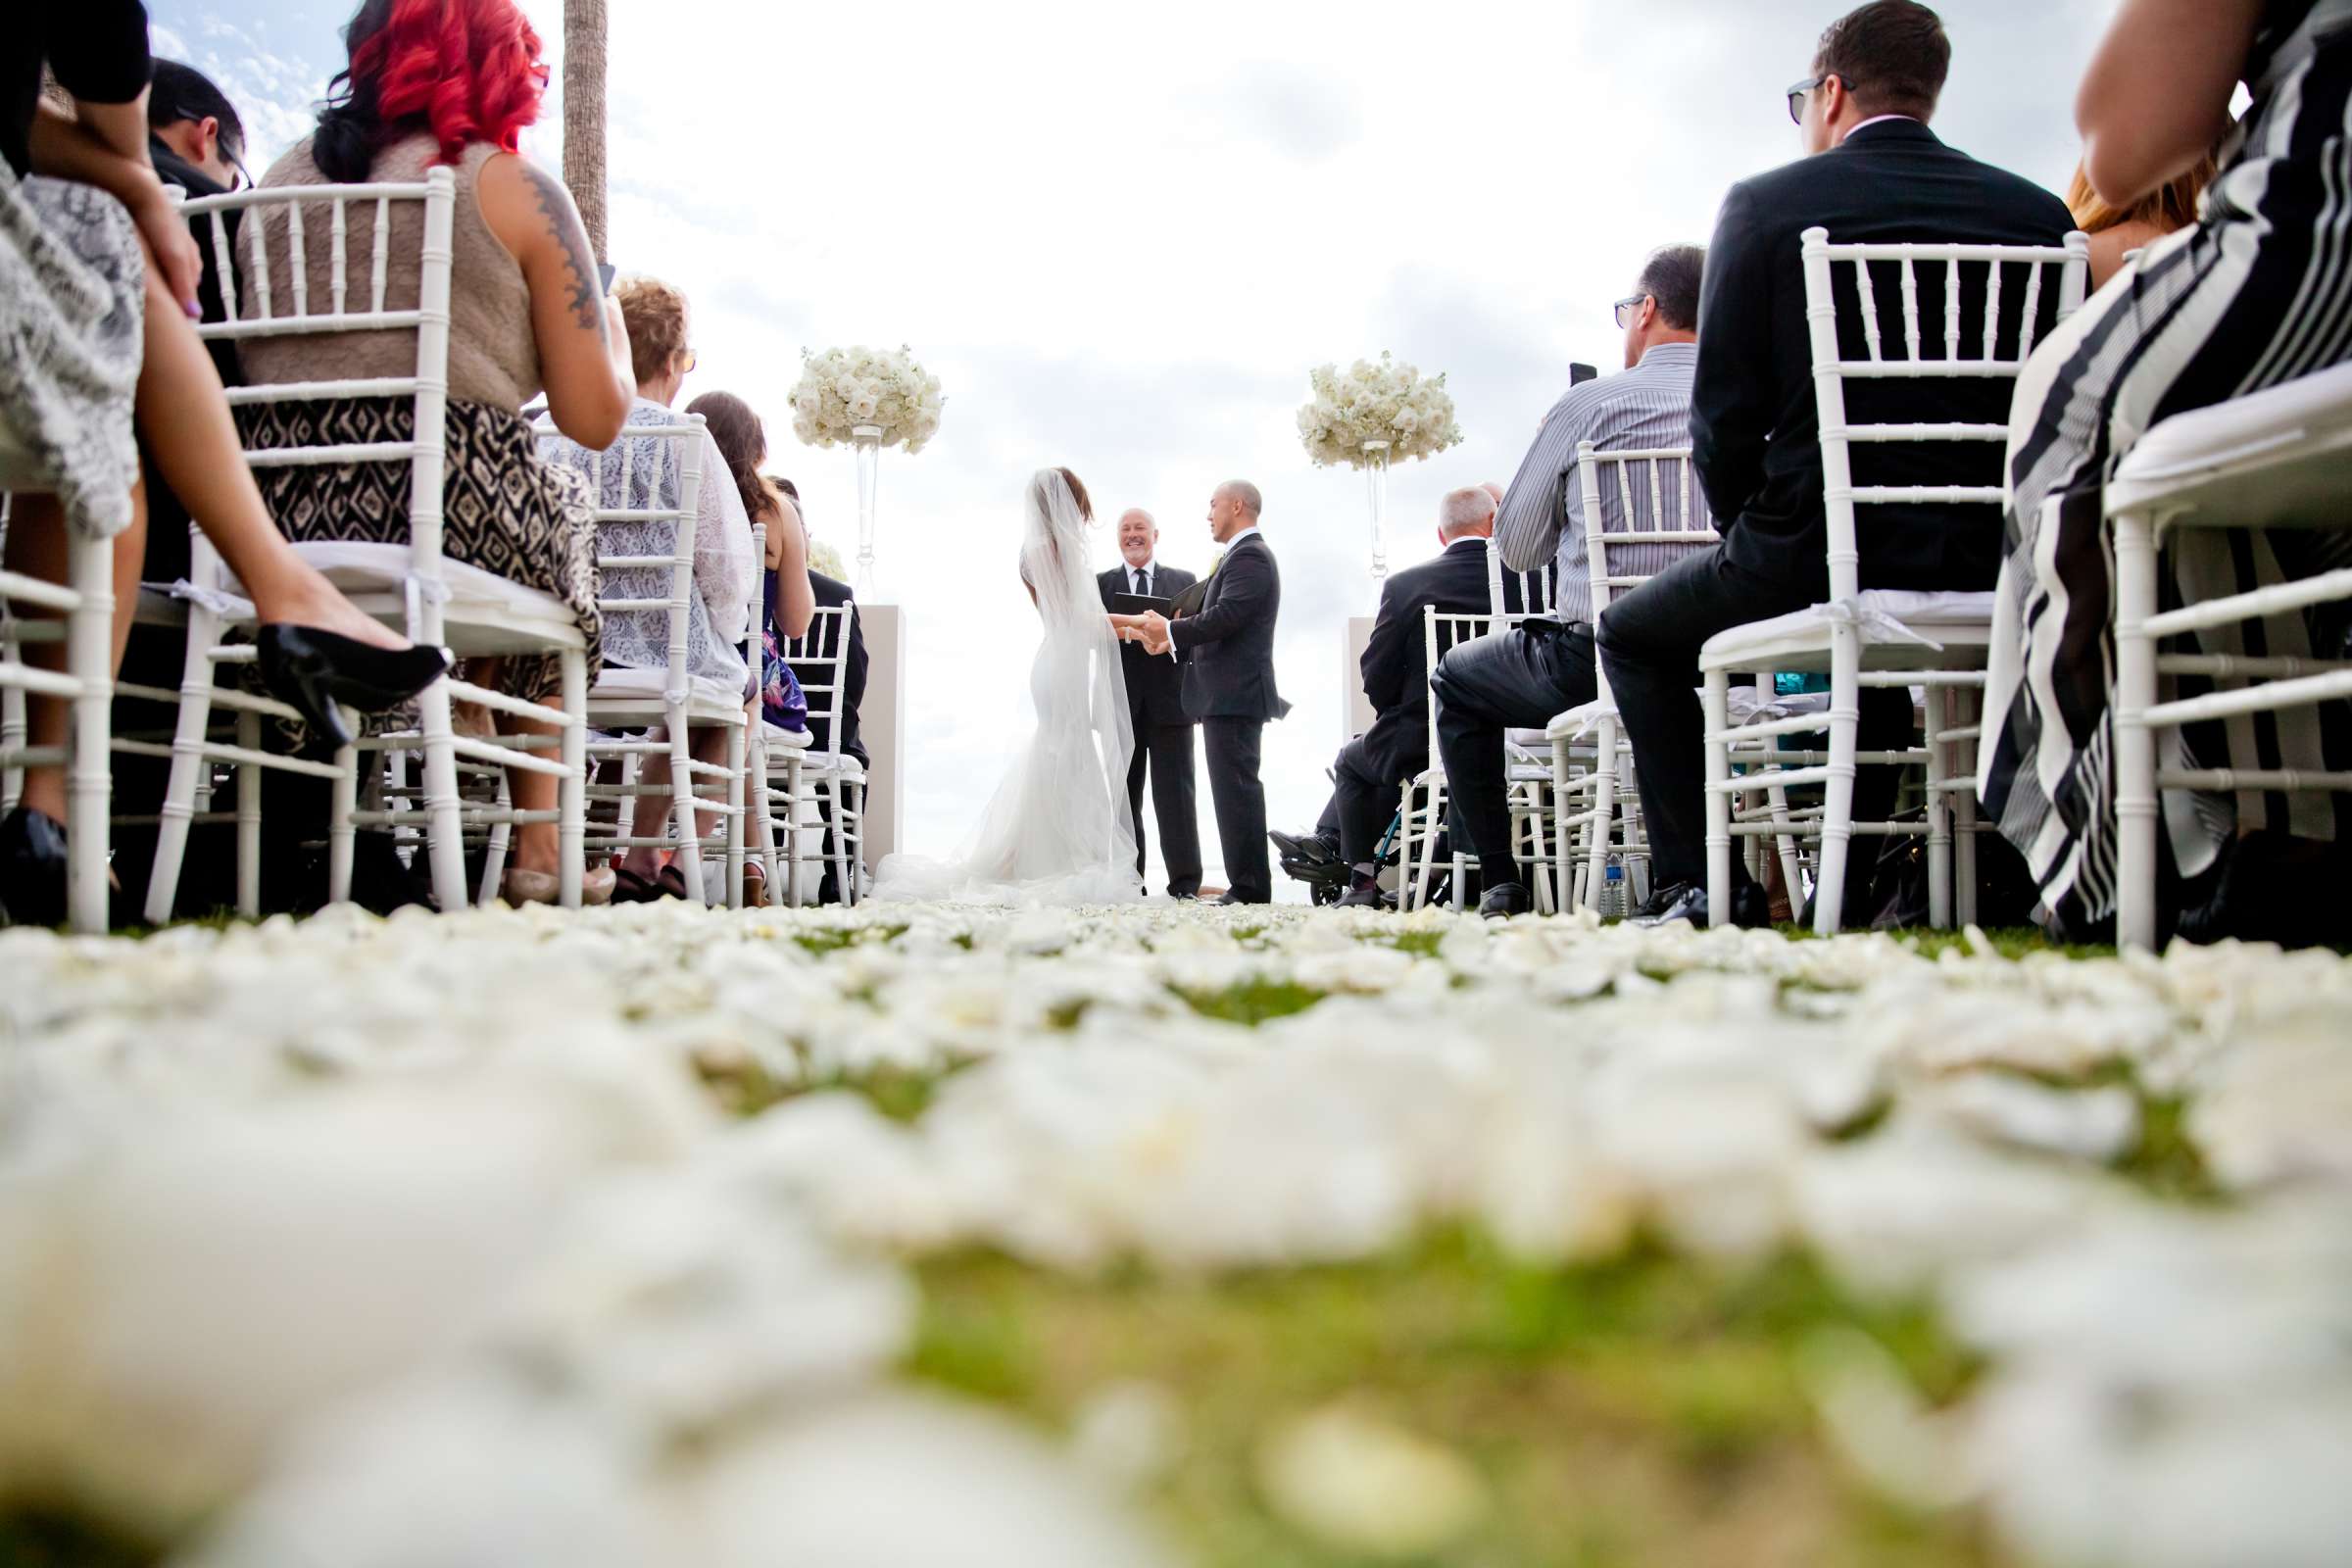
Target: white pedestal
{"points": [[882, 725], [1356, 708]]}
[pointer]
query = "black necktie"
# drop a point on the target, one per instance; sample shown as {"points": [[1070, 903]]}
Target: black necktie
{"points": [[1143, 581]]}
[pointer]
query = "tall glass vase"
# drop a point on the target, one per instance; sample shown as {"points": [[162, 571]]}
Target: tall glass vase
{"points": [[867, 438], [1376, 481]]}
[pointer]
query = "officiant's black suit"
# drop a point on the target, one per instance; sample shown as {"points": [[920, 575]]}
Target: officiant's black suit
{"points": [[1164, 735], [1228, 653]]}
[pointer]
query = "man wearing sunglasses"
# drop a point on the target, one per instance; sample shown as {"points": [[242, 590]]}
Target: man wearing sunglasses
{"points": [[1878, 173], [1523, 676]]}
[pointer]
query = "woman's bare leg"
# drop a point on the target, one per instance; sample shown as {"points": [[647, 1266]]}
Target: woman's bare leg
{"points": [[36, 547], [184, 416], [536, 845], [647, 813]]}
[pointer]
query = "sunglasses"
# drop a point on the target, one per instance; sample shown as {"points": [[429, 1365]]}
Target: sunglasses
{"points": [[1796, 95], [1624, 310]]}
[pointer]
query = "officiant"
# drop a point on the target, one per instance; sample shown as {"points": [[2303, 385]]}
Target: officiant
{"points": [[1164, 735]]}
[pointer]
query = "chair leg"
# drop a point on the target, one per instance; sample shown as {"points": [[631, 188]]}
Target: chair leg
{"points": [[763, 817], [189, 765], [1604, 807], [1969, 704], [494, 850], [344, 800], [89, 763], [249, 821], [444, 830], [2136, 802], [737, 753], [572, 791], [1939, 811], [13, 723], [1838, 794], [1717, 704], [839, 793], [688, 855], [1793, 871]]}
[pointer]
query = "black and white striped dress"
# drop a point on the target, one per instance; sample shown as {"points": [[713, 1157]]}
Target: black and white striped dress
{"points": [[2257, 293]]}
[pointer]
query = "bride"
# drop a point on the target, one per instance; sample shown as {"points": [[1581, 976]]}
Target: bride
{"points": [[1057, 829]]}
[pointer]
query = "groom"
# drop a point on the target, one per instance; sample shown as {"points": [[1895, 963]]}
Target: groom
{"points": [[1228, 653]]}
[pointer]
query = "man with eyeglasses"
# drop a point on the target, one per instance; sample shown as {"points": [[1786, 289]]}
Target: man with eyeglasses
{"points": [[1522, 676], [1880, 174]]}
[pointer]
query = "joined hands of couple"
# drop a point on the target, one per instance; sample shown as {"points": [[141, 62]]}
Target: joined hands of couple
{"points": [[1151, 628]]}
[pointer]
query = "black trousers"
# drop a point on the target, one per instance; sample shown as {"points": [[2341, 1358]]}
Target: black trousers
{"points": [[1233, 746], [1515, 680], [1166, 752], [1649, 643], [1363, 801]]}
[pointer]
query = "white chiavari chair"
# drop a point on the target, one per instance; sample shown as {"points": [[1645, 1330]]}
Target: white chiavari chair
{"points": [[1663, 507], [819, 784], [2277, 459], [1879, 638], [82, 610], [663, 486], [1422, 803], [471, 611]]}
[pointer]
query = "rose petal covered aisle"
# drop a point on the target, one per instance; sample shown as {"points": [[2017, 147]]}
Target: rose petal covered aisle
{"points": [[961, 1235]]}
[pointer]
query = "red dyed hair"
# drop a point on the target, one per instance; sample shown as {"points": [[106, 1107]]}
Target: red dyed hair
{"points": [[468, 70]]}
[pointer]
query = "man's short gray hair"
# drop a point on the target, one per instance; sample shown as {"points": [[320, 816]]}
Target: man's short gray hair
{"points": [[1138, 512], [1464, 510], [1243, 491]]}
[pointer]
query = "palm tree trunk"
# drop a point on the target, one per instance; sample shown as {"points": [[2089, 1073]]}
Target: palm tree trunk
{"points": [[584, 113]]}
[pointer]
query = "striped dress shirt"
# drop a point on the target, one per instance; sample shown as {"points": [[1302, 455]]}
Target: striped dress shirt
{"points": [[1645, 407]]}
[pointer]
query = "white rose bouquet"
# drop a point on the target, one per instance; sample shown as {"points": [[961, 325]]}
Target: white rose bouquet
{"points": [[841, 389], [1368, 402]]}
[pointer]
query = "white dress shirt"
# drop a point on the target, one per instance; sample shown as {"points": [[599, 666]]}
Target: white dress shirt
{"points": [[1143, 571]]}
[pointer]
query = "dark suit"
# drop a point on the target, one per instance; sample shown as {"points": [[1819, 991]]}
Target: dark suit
{"points": [[1756, 441], [1228, 653], [1163, 738], [1395, 671]]}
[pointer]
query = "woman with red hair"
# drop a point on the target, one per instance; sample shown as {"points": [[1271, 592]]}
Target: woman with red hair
{"points": [[451, 84]]}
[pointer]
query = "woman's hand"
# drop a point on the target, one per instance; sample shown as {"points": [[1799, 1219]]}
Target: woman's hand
{"points": [[177, 261]]}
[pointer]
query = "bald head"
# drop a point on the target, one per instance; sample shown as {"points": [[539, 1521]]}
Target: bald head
{"points": [[1467, 514], [1495, 490], [1233, 507]]}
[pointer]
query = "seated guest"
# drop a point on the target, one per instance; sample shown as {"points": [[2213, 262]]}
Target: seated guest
{"points": [[2117, 231], [452, 84], [1878, 174], [661, 358], [2253, 295], [197, 141], [1520, 677], [832, 593], [1374, 766], [98, 279]]}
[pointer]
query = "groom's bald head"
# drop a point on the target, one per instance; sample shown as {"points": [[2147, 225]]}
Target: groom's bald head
{"points": [[1241, 493], [1233, 507]]}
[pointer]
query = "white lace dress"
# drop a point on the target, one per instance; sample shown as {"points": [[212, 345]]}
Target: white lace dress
{"points": [[724, 567]]}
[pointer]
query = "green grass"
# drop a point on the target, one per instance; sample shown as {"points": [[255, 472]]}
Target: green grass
{"points": [[1642, 1411], [901, 1094], [40, 1538], [1251, 1001]]}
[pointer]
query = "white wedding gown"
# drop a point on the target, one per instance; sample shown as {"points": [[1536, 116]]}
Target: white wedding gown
{"points": [[1056, 830]]}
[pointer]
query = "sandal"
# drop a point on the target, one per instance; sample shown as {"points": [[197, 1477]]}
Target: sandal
{"points": [[634, 887]]}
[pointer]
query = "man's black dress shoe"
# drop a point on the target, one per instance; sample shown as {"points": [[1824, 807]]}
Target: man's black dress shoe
{"points": [[1504, 900], [315, 670], [1361, 898], [1687, 901], [33, 868], [1230, 896], [1308, 847]]}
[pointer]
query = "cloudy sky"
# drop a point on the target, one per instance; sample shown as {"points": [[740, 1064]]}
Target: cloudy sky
{"points": [[1122, 236]]}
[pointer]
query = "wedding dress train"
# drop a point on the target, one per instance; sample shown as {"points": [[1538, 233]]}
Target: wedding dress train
{"points": [[1056, 830]]}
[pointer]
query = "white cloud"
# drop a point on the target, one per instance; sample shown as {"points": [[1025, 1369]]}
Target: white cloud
{"points": [[1122, 236]]}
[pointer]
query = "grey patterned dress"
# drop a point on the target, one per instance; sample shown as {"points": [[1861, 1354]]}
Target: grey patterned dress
{"points": [[73, 288]]}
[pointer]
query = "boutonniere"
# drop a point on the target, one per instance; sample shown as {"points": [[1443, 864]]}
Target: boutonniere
{"points": [[1215, 562]]}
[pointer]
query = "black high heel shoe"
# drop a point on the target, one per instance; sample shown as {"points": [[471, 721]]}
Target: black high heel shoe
{"points": [[33, 868], [315, 670]]}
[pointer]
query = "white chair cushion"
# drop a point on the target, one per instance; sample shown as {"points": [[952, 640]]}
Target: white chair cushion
{"points": [[1528, 740], [1576, 724], [374, 577], [1957, 620], [617, 684], [2273, 459], [790, 739]]}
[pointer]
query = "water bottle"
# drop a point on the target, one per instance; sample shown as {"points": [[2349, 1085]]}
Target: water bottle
{"points": [[1612, 894]]}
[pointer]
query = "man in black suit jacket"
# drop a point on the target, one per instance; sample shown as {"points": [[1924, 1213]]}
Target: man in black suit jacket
{"points": [[1229, 682], [1164, 735], [1879, 176], [1371, 767]]}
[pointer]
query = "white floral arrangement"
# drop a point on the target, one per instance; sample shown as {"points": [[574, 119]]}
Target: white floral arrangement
{"points": [[824, 558], [1384, 402], [841, 389]]}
